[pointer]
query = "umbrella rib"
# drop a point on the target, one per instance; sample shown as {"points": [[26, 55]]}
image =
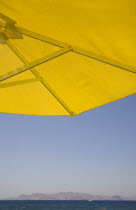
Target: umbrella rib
{"points": [[38, 78], [20, 82], [35, 63], [7, 19], [33, 35], [21, 57], [77, 50], [10, 25]]}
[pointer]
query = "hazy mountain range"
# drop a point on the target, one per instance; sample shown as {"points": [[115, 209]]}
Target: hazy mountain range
{"points": [[67, 196]]}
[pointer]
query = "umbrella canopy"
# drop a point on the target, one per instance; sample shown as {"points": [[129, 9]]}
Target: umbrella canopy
{"points": [[64, 57]]}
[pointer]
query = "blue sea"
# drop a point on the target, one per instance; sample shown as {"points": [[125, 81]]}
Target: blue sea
{"points": [[67, 205]]}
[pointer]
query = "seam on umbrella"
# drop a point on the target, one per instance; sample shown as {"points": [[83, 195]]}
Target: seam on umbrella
{"points": [[104, 59]]}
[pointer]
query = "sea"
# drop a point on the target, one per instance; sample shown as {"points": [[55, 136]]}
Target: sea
{"points": [[67, 205]]}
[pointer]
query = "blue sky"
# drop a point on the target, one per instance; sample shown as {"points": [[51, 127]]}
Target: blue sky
{"points": [[94, 152]]}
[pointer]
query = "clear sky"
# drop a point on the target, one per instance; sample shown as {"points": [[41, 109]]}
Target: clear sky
{"points": [[94, 152]]}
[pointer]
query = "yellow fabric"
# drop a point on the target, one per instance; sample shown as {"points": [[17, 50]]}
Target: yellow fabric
{"points": [[81, 83]]}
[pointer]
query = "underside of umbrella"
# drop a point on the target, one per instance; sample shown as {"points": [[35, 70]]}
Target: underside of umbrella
{"points": [[65, 57]]}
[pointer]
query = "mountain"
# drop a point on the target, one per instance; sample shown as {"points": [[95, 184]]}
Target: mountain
{"points": [[65, 196]]}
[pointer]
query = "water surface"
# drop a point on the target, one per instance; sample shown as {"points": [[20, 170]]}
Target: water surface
{"points": [[67, 205]]}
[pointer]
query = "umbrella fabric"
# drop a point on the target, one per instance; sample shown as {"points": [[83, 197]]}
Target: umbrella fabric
{"points": [[64, 57]]}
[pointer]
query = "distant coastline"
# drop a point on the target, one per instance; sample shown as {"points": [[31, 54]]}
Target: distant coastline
{"points": [[68, 196]]}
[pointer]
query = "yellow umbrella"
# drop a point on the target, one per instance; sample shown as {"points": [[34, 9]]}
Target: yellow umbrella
{"points": [[64, 57]]}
